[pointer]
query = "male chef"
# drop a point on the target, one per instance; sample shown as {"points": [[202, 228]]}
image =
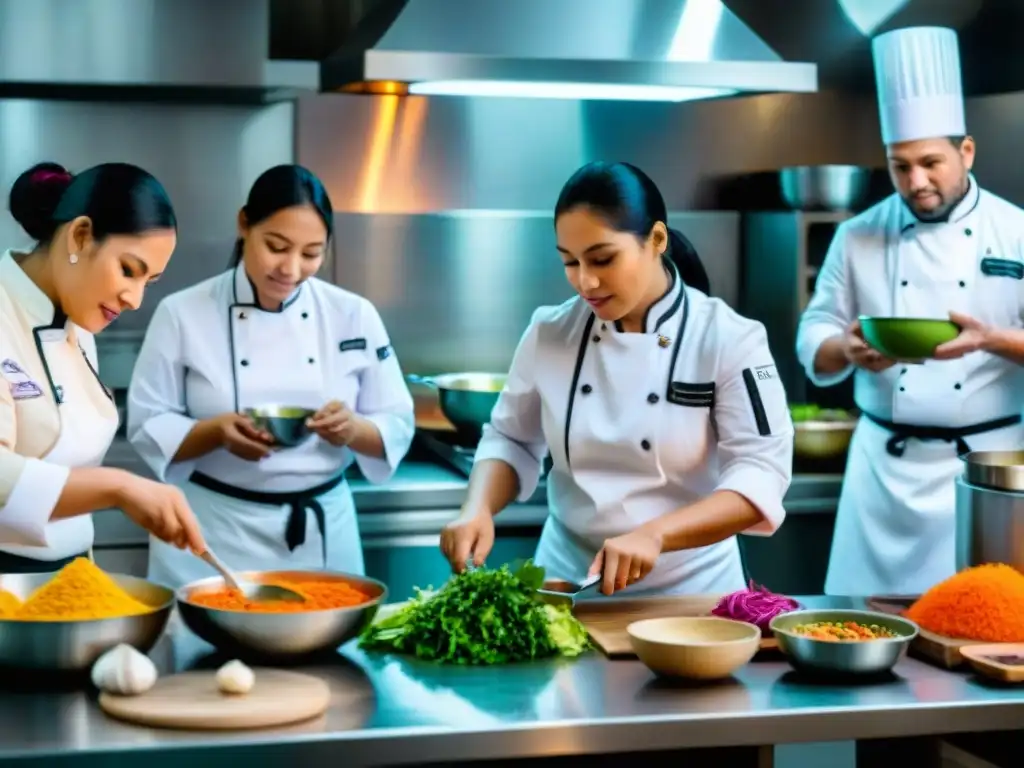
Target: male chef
{"points": [[940, 247]]}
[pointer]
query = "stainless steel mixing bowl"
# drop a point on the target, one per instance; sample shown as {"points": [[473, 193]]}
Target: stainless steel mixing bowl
{"points": [[57, 646], [279, 636], [860, 657]]}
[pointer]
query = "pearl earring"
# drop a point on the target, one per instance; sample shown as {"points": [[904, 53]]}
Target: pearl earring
{"points": [[73, 258]]}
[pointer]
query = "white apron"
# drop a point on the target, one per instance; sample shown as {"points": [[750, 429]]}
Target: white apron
{"points": [[88, 422], [273, 356], [639, 425], [895, 527]]}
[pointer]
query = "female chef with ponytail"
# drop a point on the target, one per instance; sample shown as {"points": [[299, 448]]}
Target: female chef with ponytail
{"points": [[661, 408]]}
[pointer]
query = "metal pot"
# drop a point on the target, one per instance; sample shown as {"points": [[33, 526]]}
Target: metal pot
{"points": [[466, 399], [825, 187], [823, 437], [999, 470]]}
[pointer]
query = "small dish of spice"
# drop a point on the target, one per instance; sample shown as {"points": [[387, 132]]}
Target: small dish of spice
{"points": [[1000, 661]]}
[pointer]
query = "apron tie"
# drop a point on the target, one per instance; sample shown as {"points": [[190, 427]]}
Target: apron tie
{"points": [[897, 444], [298, 503]]}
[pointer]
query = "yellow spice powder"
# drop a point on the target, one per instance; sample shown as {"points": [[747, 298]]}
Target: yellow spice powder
{"points": [[80, 590], [9, 604]]}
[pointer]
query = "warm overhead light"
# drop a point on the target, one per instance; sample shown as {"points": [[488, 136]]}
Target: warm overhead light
{"points": [[551, 90], [378, 88]]}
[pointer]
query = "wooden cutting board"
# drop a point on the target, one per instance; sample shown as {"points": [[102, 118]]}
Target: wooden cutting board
{"points": [[943, 651], [192, 701], [606, 620]]}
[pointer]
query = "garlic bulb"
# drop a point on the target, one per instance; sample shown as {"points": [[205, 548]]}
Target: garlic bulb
{"points": [[234, 677], [125, 671]]}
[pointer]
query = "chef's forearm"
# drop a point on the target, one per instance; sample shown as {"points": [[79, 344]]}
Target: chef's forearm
{"points": [[708, 521], [205, 437], [1007, 343], [493, 485], [89, 489], [367, 439], [831, 356]]}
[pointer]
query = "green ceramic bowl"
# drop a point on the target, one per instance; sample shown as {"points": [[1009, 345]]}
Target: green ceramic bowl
{"points": [[907, 338]]}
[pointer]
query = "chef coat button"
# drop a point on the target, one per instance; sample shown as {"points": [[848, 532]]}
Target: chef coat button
{"points": [[596, 338], [958, 386], [305, 315], [652, 398], [902, 371], [311, 361], [963, 284], [645, 444], [903, 283], [241, 315], [586, 389], [968, 232], [903, 389], [245, 362], [604, 326]]}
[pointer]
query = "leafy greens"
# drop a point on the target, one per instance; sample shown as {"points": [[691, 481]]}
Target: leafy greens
{"points": [[481, 616]]}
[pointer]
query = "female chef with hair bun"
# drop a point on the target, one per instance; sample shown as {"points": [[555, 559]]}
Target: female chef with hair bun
{"points": [[101, 237], [266, 332], [661, 408]]}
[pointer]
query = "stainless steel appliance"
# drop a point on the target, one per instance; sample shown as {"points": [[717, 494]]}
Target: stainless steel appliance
{"points": [[990, 510]]}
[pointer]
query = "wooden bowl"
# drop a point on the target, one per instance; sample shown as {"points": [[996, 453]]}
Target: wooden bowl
{"points": [[694, 647]]}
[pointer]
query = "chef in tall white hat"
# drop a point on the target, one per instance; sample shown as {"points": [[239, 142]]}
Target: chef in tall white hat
{"points": [[939, 247]]}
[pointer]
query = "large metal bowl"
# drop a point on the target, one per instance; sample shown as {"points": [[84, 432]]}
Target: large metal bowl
{"points": [[466, 399], [279, 636], [73, 646], [823, 437], [825, 187], [865, 657]]}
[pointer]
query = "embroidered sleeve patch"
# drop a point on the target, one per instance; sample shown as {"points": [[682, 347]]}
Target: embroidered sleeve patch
{"points": [[21, 385], [352, 344], [692, 395], [762, 383]]}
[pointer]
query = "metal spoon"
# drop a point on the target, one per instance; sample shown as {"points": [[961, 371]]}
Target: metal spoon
{"points": [[252, 591]]}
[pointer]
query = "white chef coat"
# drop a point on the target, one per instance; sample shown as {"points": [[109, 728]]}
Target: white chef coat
{"points": [[55, 415], [641, 424], [209, 350], [895, 526]]}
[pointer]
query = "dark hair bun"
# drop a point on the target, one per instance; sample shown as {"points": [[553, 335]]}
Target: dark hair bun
{"points": [[34, 198]]}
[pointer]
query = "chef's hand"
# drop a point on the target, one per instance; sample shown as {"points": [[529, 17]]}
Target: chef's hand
{"points": [[626, 559], [470, 535], [973, 336], [334, 423], [162, 510], [860, 354], [242, 438]]}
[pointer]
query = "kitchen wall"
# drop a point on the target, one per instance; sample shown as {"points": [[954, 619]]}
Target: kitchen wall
{"points": [[206, 156]]}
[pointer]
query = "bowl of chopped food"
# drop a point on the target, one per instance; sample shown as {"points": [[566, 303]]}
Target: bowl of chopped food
{"points": [[694, 647], [64, 621], [337, 607], [843, 641]]}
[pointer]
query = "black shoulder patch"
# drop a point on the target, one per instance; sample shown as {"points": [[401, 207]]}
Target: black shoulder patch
{"points": [[352, 344]]}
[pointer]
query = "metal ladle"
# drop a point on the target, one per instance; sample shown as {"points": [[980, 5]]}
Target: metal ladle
{"points": [[251, 590]]}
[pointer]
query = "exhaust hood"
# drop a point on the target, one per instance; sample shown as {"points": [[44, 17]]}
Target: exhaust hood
{"points": [[211, 51], [664, 50]]}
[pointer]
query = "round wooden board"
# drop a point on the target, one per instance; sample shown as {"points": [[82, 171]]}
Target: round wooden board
{"points": [[192, 701]]}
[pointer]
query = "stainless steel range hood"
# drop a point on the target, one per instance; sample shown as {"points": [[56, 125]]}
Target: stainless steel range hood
{"points": [[152, 50], [666, 50]]}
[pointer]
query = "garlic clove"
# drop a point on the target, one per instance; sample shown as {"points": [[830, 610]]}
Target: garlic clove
{"points": [[124, 671], [235, 678]]}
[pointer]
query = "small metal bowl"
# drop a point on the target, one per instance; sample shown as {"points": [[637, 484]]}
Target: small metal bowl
{"points": [[285, 423], [823, 437], [279, 636], [73, 646], [854, 657]]}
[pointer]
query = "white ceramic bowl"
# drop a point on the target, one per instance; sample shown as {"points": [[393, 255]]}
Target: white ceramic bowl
{"points": [[694, 647]]}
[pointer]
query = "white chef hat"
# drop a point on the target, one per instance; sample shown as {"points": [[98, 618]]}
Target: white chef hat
{"points": [[920, 93]]}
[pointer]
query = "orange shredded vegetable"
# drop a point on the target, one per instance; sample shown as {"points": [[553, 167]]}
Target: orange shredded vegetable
{"points": [[981, 603], [79, 591], [320, 595]]}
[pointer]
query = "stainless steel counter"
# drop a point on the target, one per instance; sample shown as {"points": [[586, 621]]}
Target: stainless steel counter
{"points": [[391, 711]]}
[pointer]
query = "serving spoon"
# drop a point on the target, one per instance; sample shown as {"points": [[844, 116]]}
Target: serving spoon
{"points": [[251, 590]]}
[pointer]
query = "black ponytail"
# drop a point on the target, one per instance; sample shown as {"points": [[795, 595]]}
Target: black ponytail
{"points": [[631, 202], [682, 253]]}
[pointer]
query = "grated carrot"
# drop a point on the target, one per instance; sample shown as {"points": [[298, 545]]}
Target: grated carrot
{"points": [[320, 595], [981, 603]]}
